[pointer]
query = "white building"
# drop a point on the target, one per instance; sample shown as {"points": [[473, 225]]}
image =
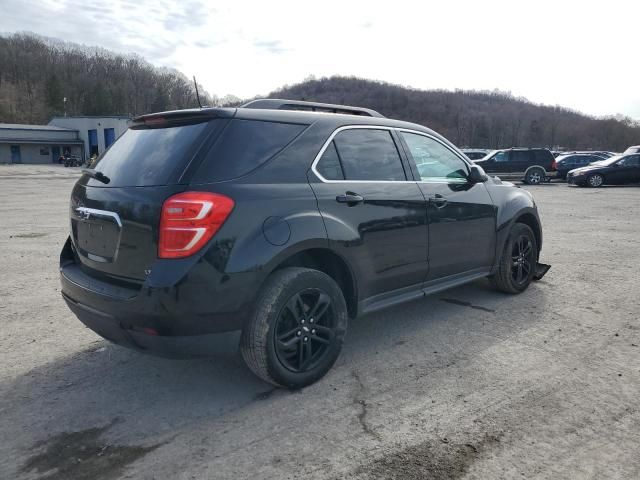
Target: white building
{"points": [[77, 136], [97, 133], [37, 143]]}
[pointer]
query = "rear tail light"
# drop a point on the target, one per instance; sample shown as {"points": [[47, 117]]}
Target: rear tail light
{"points": [[189, 220], [553, 165]]}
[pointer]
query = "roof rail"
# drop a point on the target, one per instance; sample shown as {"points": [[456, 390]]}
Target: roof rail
{"points": [[280, 104]]}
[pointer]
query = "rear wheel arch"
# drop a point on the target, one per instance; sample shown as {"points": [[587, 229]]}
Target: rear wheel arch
{"points": [[535, 168], [333, 265]]}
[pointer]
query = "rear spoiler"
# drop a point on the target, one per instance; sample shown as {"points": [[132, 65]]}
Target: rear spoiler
{"points": [[280, 104], [180, 117]]}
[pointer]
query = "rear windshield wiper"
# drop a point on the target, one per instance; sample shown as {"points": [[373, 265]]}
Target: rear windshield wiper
{"points": [[101, 177]]}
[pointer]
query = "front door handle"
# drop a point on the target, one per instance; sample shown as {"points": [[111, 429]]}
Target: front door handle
{"points": [[438, 200], [350, 198]]}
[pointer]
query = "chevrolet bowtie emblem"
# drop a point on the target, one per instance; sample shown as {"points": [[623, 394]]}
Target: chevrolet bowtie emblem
{"points": [[83, 213]]}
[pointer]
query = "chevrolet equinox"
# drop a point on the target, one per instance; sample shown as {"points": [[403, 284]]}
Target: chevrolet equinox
{"points": [[269, 226]]}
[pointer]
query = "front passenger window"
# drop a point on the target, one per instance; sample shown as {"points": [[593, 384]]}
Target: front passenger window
{"points": [[501, 157], [434, 161]]}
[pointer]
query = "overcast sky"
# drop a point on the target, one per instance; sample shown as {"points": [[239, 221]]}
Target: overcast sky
{"points": [[579, 54]]}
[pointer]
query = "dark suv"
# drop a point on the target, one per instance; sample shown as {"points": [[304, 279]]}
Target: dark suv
{"points": [[532, 165], [565, 163], [269, 227]]}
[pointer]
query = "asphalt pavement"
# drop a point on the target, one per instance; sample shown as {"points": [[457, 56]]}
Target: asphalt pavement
{"points": [[469, 383]]}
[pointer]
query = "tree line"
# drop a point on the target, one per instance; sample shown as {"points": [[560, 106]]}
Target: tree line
{"points": [[37, 74], [474, 119]]}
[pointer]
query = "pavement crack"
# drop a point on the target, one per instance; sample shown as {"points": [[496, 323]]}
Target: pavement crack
{"points": [[361, 404], [462, 303]]}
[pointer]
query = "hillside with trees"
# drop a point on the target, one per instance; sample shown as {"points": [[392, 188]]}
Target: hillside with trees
{"points": [[37, 74], [471, 118]]}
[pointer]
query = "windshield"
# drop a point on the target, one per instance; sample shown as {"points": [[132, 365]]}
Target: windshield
{"points": [[608, 161]]}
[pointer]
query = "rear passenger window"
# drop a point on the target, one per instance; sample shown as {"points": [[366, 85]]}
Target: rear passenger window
{"points": [[520, 156], [368, 154], [329, 165], [243, 146]]}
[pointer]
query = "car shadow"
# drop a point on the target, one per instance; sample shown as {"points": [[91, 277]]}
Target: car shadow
{"points": [[106, 389]]}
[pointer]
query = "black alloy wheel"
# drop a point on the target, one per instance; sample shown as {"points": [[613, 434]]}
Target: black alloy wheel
{"points": [[517, 264], [522, 256], [305, 330], [296, 331]]}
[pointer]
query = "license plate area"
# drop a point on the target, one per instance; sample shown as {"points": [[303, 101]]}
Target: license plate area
{"points": [[96, 234]]}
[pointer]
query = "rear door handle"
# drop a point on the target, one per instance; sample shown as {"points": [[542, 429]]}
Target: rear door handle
{"points": [[350, 198], [438, 200]]}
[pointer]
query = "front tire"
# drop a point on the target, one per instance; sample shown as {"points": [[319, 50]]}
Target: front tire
{"points": [[596, 180], [518, 261], [297, 328]]}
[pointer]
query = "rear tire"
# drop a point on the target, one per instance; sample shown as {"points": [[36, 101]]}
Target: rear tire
{"points": [[518, 261], [297, 328], [534, 176]]}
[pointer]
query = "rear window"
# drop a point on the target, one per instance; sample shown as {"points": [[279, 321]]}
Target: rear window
{"points": [[243, 146], [147, 157]]}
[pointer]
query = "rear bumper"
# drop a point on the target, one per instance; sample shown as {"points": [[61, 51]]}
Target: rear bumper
{"points": [[178, 318], [110, 328]]}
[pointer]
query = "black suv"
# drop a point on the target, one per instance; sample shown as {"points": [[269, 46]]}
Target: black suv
{"points": [[269, 227], [532, 165]]}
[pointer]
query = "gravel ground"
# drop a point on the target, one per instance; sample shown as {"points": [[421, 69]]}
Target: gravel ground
{"points": [[469, 383]]}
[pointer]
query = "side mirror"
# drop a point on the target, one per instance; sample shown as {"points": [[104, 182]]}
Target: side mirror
{"points": [[477, 175]]}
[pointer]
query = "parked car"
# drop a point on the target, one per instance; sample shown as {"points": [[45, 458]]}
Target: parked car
{"points": [[268, 228], [532, 165], [474, 154], [602, 153], [612, 171], [634, 149], [565, 163]]}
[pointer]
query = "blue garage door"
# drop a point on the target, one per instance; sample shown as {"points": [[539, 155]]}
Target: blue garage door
{"points": [[15, 154], [55, 154], [93, 143], [109, 137]]}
